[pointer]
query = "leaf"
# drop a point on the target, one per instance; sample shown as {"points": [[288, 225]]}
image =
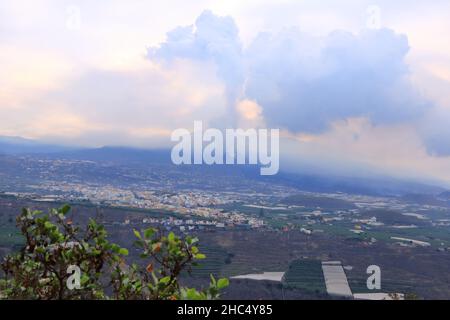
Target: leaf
{"points": [[149, 233], [171, 236], [223, 283], [199, 256], [40, 250], [115, 248], [123, 251], [164, 280], [65, 209], [48, 224], [137, 234], [192, 294]]}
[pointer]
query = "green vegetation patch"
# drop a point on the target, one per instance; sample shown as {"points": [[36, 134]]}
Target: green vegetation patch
{"points": [[306, 275], [216, 258]]}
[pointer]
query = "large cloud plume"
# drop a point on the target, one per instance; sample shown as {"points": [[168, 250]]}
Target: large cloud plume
{"points": [[212, 38], [305, 83]]}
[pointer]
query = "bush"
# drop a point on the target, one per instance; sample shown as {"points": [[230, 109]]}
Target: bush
{"points": [[54, 245]]}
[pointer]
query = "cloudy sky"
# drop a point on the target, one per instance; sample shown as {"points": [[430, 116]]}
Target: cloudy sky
{"points": [[357, 87]]}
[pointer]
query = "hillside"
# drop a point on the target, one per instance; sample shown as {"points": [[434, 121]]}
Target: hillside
{"points": [[326, 203]]}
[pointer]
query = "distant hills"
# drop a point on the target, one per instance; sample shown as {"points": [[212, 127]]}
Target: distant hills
{"points": [[383, 186], [119, 155], [14, 146], [427, 199], [18, 145], [21, 146], [444, 196]]}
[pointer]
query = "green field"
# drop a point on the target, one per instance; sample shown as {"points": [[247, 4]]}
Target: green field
{"points": [[306, 275], [216, 258]]}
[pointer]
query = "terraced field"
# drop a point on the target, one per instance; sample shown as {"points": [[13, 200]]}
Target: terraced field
{"points": [[306, 275], [253, 255], [216, 258]]}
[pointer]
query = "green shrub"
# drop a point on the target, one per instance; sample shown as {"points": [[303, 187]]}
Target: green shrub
{"points": [[54, 243]]}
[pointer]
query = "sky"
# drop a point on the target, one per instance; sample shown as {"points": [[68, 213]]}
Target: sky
{"points": [[356, 87]]}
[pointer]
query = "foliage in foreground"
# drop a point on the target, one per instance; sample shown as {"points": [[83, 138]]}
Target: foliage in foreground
{"points": [[54, 243]]}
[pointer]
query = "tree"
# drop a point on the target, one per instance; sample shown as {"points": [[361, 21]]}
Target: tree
{"points": [[53, 243]]}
